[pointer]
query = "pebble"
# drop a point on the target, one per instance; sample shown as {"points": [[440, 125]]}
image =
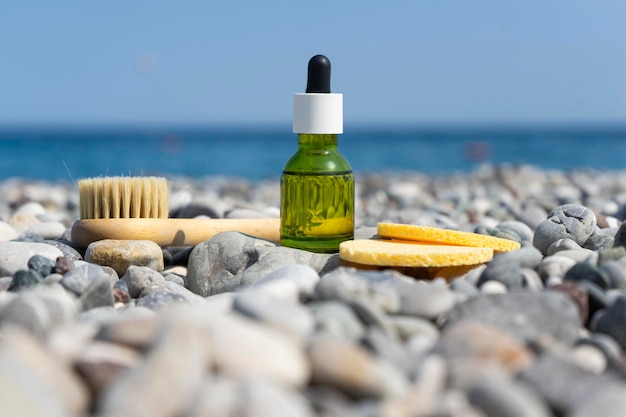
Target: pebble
{"points": [[567, 221], [143, 280], [47, 230], [238, 325], [15, 255], [7, 232], [120, 254]]}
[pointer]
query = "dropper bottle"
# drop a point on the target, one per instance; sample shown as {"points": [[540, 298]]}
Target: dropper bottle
{"points": [[317, 183]]}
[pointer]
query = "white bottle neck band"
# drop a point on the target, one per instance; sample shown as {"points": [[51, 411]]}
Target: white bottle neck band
{"points": [[318, 113]]}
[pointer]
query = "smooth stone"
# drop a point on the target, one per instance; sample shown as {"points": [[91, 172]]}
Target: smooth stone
{"points": [[562, 244], [530, 315], [287, 280], [120, 254], [291, 318], [411, 326], [469, 341], [373, 316], [347, 284], [616, 271], [173, 278], [353, 370], [159, 299], [499, 233], [337, 319], [620, 236], [7, 232], [220, 303], [41, 265], [493, 287], [25, 279], [388, 348], [611, 254], [464, 286], [599, 241], [520, 228], [231, 260], [613, 321], [22, 393], [182, 354], [424, 299], [47, 230], [249, 397], [547, 375], [584, 271], [531, 279], [98, 293], [578, 294], [102, 363], [79, 279], [136, 330], [21, 221], [589, 357], [5, 283], [609, 347], [64, 246], [53, 375], [15, 255], [189, 296], [241, 346], [63, 265], [567, 221], [609, 403], [504, 397], [506, 267], [555, 266], [143, 280]]}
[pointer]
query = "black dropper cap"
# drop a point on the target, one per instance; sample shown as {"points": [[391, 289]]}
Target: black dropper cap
{"points": [[318, 80]]}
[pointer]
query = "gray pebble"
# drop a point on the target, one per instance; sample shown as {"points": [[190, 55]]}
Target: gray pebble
{"points": [[143, 280], [503, 397], [41, 264], [77, 280], [337, 319], [567, 221], [530, 315], [25, 279], [159, 299]]}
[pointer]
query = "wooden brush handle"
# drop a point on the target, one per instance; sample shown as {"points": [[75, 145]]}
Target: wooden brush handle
{"points": [[170, 232]]}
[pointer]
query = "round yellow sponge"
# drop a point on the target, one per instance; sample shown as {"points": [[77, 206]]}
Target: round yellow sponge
{"points": [[413, 254], [444, 236]]}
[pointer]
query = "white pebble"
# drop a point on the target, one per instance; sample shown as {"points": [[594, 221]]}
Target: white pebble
{"points": [[590, 358], [493, 287]]}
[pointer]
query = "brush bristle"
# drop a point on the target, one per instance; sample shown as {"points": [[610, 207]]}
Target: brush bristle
{"points": [[123, 197]]}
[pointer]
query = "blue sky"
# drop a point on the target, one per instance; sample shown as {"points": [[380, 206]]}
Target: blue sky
{"points": [[239, 62]]}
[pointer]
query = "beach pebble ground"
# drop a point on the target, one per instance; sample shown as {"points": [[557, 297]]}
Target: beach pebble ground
{"points": [[239, 326]]}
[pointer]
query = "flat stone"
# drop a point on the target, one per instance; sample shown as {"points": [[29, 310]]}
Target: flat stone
{"points": [[15, 255], [289, 282], [120, 254]]}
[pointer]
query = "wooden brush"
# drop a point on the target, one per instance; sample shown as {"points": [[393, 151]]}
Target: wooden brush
{"points": [[136, 208]]}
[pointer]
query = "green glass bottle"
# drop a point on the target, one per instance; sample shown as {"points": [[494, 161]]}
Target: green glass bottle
{"points": [[317, 183]]}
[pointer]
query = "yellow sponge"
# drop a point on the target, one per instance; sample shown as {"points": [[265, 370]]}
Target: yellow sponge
{"points": [[444, 236], [413, 254]]}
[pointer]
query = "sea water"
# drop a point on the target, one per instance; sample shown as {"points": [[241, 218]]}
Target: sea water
{"points": [[260, 153]]}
